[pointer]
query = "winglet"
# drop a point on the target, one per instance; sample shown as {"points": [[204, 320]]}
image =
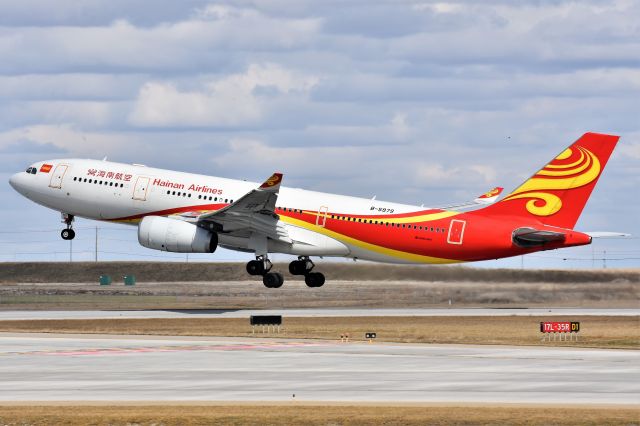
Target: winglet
{"points": [[489, 197], [273, 183]]}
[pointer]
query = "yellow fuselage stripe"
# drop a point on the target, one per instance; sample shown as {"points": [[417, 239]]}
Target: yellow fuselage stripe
{"points": [[411, 257]]}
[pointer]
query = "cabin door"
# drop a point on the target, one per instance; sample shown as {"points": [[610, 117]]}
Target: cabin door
{"points": [[141, 188], [58, 174], [456, 231], [321, 219]]}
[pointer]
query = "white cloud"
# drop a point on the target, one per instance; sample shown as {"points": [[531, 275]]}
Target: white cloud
{"points": [[76, 142], [229, 101], [631, 150], [431, 174], [399, 126]]}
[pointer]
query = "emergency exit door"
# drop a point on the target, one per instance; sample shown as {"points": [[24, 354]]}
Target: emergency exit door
{"points": [[141, 188]]}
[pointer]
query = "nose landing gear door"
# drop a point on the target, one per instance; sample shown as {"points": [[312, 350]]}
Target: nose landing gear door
{"points": [[58, 174]]}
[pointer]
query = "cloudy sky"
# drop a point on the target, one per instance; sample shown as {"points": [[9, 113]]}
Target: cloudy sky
{"points": [[412, 101]]}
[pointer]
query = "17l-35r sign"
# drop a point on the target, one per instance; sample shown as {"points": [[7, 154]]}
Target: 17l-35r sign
{"points": [[559, 327]]}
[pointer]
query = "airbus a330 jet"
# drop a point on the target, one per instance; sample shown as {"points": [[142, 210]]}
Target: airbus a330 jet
{"points": [[190, 213]]}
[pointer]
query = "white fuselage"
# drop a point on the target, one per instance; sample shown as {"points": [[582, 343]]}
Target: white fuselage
{"points": [[110, 191]]}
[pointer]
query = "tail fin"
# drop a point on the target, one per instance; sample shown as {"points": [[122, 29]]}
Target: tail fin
{"points": [[557, 194]]}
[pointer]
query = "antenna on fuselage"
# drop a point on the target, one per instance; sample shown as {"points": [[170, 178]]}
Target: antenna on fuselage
{"points": [[104, 159]]}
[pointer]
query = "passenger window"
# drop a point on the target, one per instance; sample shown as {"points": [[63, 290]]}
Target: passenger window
{"points": [[74, 179], [189, 195], [122, 185]]}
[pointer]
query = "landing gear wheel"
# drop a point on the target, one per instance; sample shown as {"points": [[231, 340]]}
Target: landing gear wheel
{"points": [[68, 234], [255, 267], [302, 266], [314, 279], [273, 280]]}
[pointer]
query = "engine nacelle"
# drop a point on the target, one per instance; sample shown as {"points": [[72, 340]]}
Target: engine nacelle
{"points": [[162, 233]]}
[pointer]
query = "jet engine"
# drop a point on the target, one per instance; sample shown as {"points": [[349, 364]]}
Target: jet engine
{"points": [[163, 233]]}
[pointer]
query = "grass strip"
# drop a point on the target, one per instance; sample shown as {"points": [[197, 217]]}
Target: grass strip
{"points": [[612, 332]]}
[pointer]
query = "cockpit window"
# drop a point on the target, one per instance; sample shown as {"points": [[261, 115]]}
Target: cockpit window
{"points": [[33, 170], [29, 169]]}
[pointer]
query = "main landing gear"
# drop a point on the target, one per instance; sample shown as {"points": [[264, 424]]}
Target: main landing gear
{"points": [[303, 266], [69, 233], [262, 266]]}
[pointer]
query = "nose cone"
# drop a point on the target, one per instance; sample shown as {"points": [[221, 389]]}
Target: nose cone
{"points": [[17, 182]]}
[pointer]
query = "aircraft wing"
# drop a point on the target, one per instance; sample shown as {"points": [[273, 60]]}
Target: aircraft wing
{"points": [[254, 212], [482, 200]]}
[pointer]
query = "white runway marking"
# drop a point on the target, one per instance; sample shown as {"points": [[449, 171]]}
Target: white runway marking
{"points": [[456, 312], [232, 369]]}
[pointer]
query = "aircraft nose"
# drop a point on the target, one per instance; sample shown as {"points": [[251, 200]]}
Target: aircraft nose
{"points": [[16, 181]]}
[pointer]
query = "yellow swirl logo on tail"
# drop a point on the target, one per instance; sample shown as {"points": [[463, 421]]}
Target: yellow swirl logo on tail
{"points": [[573, 168]]}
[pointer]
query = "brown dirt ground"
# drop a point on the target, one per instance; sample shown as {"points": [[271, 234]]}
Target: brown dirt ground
{"points": [[598, 332], [42, 272], [295, 294], [312, 415]]}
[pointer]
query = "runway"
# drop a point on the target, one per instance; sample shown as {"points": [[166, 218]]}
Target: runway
{"points": [[134, 368], [334, 312]]}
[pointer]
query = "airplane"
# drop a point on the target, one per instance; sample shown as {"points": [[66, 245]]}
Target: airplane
{"points": [[191, 213]]}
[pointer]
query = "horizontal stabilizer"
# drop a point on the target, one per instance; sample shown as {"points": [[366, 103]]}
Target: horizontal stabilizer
{"points": [[483, 200], [489, 197], [607, 234], [529, 237]]}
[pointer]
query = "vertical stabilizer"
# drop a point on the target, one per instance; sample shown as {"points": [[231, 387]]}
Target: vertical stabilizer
{"points": [[557, 194]]}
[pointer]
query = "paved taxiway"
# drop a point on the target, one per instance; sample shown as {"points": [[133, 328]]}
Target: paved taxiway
{"points": [[133, 368], [322, 312]]}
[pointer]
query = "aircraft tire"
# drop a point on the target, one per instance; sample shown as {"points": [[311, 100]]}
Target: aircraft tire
{"points": [[297, 267], [273, 280], [314, 279], [68, 234], [255, 267]]}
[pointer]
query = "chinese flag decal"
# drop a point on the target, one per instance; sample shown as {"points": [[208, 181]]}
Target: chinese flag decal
{"points": [[46, 168]]}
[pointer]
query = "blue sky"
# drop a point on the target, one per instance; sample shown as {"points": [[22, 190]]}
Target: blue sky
{"points": [[411, 101]]}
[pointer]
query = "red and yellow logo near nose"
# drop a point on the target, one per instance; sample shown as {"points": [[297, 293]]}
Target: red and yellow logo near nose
{"points": [[46, 168], [574, 168]]}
